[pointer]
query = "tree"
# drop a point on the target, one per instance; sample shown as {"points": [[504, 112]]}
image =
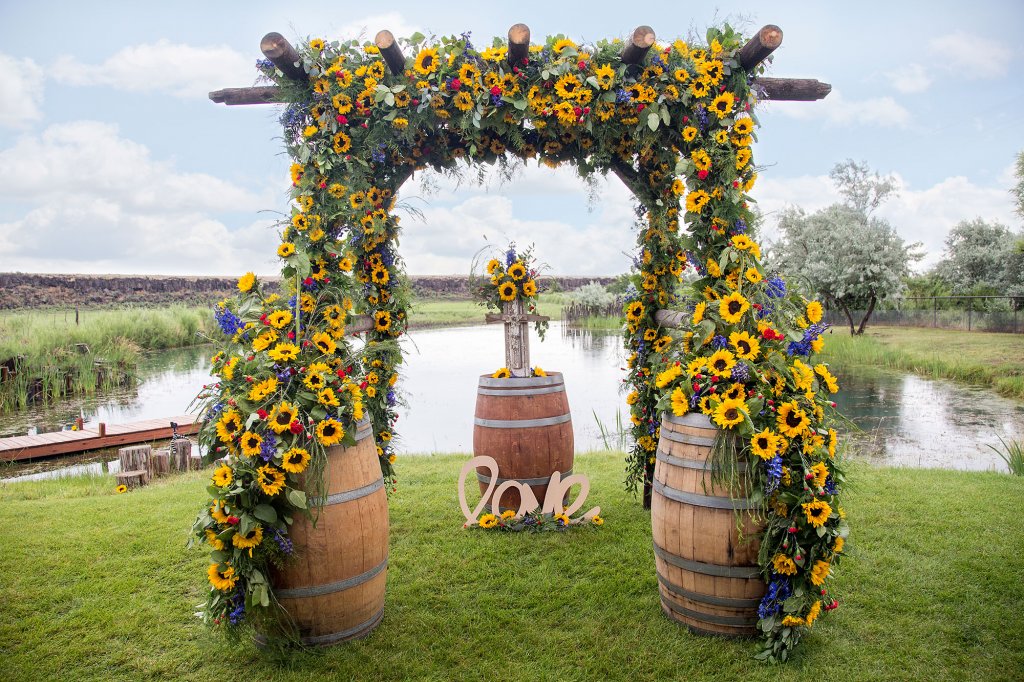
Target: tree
{"points": [[1018, 189], [852, 259], [979, 258]]}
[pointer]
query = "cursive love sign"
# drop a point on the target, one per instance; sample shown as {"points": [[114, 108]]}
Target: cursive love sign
{"points": [[558, 488]]}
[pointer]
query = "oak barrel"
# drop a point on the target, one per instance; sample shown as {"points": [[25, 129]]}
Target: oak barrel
{"points": [[525, 425], [333, 589], [708, 575]]}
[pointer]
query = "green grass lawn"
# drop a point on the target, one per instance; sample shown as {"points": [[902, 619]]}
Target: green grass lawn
{"points": [[100, 586], [983, 358]]}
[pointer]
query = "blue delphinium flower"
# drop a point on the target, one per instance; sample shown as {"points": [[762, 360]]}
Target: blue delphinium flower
{"points": [[775, 287], [228, 321], [740, 373], [719, 342], [773, 474], [269, 447]]}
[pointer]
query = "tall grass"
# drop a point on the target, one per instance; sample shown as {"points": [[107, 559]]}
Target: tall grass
{"points": [[986, 359], [1013, 454], [49, 356], [617, 439]]}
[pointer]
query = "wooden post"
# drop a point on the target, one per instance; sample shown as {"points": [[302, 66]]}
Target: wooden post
{"points": [[161, 460], [757, 49], [181, 454], [102, 429], [518, 45], [135, 458], [390, 50], [638, 44], [517, 336], [277, 49]]}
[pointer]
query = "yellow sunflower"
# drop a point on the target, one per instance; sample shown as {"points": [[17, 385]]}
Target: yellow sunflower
{"points": [[507, 291], [698, 312], [246, 281], [689, 133], [329, 432], [213, 541], [530, 288], [820, 471], [791, 420], [229, 424], [561, 44], [730, 412], [721, 362], [251, 444], [700, 159], [605, 76], [732, 307], [279, 318], [328, 398], [765, 444], [817, 512], [747, 347], [284, 352], [342, 143], [517, 271], [222, 476], [324, 342], [121, 489], [567, 86], [281, 417], [295, 460], [426, 61], [753, 275], [501, 373], [680, 402], [697, 200], [270, 478], [722, 105], [814, 312], [223, 580], [251, 539], [488, 521], [783, 565], [381, 320], [286, 249], [263, 341]]}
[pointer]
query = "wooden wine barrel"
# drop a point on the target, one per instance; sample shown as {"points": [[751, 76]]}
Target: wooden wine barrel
{"points": [[334, 588], [708, 576], [525, 425]]}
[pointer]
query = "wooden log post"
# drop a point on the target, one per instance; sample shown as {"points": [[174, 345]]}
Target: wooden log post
{"points": [[181, 454], [517, 335], [757, 49], [133, 479], [390, 51], [161, 462], [277, 49], [791, 89], [264, 94], [518, 45], [638, 44], [101, 429], [135, 457]]}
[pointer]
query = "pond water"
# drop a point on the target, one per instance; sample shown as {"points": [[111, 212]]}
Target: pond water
{"points": [[896, 419]]}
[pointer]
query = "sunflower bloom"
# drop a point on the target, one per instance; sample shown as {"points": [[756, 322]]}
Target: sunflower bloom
{"points": [[329, 432], [765, 444], [222, 476], [252, 539], [270, 479], [223, 580], [817, 512], [791, 420], [732, 307], [730, 412]]}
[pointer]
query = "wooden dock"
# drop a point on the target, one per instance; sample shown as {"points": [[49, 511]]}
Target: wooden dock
{"points": [[94, 438]]}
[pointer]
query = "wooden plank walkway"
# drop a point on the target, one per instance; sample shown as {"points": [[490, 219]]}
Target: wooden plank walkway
{"points": [[67, 442]]}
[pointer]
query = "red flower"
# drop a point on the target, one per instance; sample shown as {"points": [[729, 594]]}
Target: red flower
{"points": [[296, 427], [496, 90], [456, 84], [343, 120], [233, 520], [261, 413], [702, 174]]}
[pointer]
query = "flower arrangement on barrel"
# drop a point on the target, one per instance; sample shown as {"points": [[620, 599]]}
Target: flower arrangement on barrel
{"points": [[677, 128]]}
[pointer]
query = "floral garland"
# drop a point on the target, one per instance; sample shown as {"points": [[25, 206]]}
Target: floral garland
{"points": [[676, 128], [288, 388], [534, 522], [511, 278]]}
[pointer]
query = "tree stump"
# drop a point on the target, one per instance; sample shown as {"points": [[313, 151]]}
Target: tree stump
{"points": [[133, 479], [135, 457], [161, 462], [181, 454]]}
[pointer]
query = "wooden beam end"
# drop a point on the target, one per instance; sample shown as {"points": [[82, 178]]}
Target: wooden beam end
{"points": [[384, 39], [770, 36]]}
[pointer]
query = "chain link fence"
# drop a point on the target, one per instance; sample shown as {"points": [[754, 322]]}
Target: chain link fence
{"points": [[968, 313]]}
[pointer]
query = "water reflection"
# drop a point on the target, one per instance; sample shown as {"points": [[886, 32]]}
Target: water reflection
{"points": [[897, 419]]}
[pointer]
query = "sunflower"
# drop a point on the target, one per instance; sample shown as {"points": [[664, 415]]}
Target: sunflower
{"points": [[263, 341], [281, 417], [634, 311], [314, 381], [538, 372], [501, 373], [284, 352], [270, 478], [747, 347], [723, 104], [753, 275], [222, 580], [820, 471], [426, 61], [251, 539], [668, 376], [295, 460], [732, 307], [529, 288], [814, 312], [286, 249], [222, 476], [213, 541], [507, 291], [680, 402], [817, 512], [246, 281], [121, 489], [567, 86], [279, 318], [329, 432], [791, 420], [380, 276], [838, 547], [229, 424], [698, 312], [661, 344], [689, 133], [605, 76], [765, 444], [324, 342], [700, 87], [561, 44], [517, 271], [251, 444], [737, 391], [381, 321], [783, 565], [730, 412], [342, 143], [488, 521], [701, 160], [697, 200], [721, 362], [328, 398], [217, 512]]}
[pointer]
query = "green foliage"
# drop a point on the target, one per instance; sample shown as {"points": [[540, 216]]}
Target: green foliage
{"points": [[592, 294], [99, 586], [1013, 454], [983, 258], [1018, 189]]}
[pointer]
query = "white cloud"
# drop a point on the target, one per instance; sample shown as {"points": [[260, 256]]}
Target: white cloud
{"points": [[910, 78], [96, 202], [178, 69], [366, 28], [970, 56], [836, 110], [21, 91], [919, 215]]}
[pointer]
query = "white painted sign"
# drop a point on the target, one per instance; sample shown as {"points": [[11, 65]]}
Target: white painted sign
{"points": [[558, 488]]}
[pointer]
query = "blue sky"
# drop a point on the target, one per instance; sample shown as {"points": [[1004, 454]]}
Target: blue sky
{"points": [[112, 159]]}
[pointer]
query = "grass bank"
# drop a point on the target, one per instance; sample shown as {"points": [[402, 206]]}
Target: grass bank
{"points": [[983, 358], [100, 586], [49, 355], [445, 312]]}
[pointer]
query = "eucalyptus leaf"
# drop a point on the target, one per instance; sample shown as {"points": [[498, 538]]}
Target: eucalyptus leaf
{"points": [[264, 512]]}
